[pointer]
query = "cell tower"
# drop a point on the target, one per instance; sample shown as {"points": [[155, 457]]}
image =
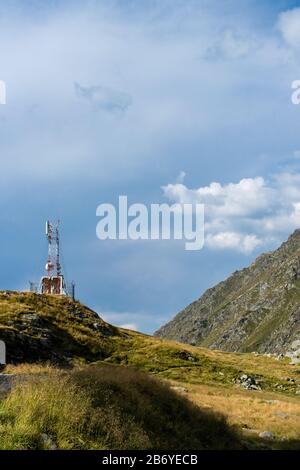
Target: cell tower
{"points": [[53, 282]]}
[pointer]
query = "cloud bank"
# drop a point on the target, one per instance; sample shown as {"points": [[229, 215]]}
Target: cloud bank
{"points": [[243, 216]]}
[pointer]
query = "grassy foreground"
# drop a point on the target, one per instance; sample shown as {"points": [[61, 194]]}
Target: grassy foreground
{"points": [[209, 379], [108, 407], [70, 336]]}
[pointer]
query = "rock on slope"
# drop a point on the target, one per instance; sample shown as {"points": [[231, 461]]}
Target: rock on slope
{"points": [[255, 309]]}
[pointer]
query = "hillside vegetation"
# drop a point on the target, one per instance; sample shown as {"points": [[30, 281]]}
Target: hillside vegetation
{"points": [[73, 340], [46, 327]]}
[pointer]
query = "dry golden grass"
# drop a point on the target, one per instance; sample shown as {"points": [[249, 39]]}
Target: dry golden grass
{"points": [[29, 369], [249, 410]]}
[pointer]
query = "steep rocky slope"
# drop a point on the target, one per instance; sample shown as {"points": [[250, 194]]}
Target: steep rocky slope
{"points": [[255, 309]]}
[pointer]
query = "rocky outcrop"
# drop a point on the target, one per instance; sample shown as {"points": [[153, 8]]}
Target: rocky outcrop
{"points": [[255, 309], [6, 383]]}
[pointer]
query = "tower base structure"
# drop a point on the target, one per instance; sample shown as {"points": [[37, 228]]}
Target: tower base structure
{"points": [[53, 285]]}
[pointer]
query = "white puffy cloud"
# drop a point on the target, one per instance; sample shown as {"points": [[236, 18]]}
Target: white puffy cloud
{"points": [[248, 196], [243, 216], [232, 240], [289, 26], [129, 326]]}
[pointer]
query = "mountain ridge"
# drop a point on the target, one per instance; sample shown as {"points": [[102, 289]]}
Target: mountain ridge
{"points": [[255, 309]]}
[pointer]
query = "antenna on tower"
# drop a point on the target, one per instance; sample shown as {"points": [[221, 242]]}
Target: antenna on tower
{"points": [[58, 265], [49, 235]]}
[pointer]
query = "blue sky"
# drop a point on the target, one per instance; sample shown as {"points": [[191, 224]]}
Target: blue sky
{"points": [[121, 97]]}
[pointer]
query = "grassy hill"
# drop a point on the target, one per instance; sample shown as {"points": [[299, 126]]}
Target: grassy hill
{"points": [[45, 327], [63, 339]]}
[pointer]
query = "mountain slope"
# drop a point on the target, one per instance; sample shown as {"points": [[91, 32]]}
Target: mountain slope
{"points": [[255, 309]]}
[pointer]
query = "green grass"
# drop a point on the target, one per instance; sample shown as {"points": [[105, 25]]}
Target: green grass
{"points": [[176, 361]]}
